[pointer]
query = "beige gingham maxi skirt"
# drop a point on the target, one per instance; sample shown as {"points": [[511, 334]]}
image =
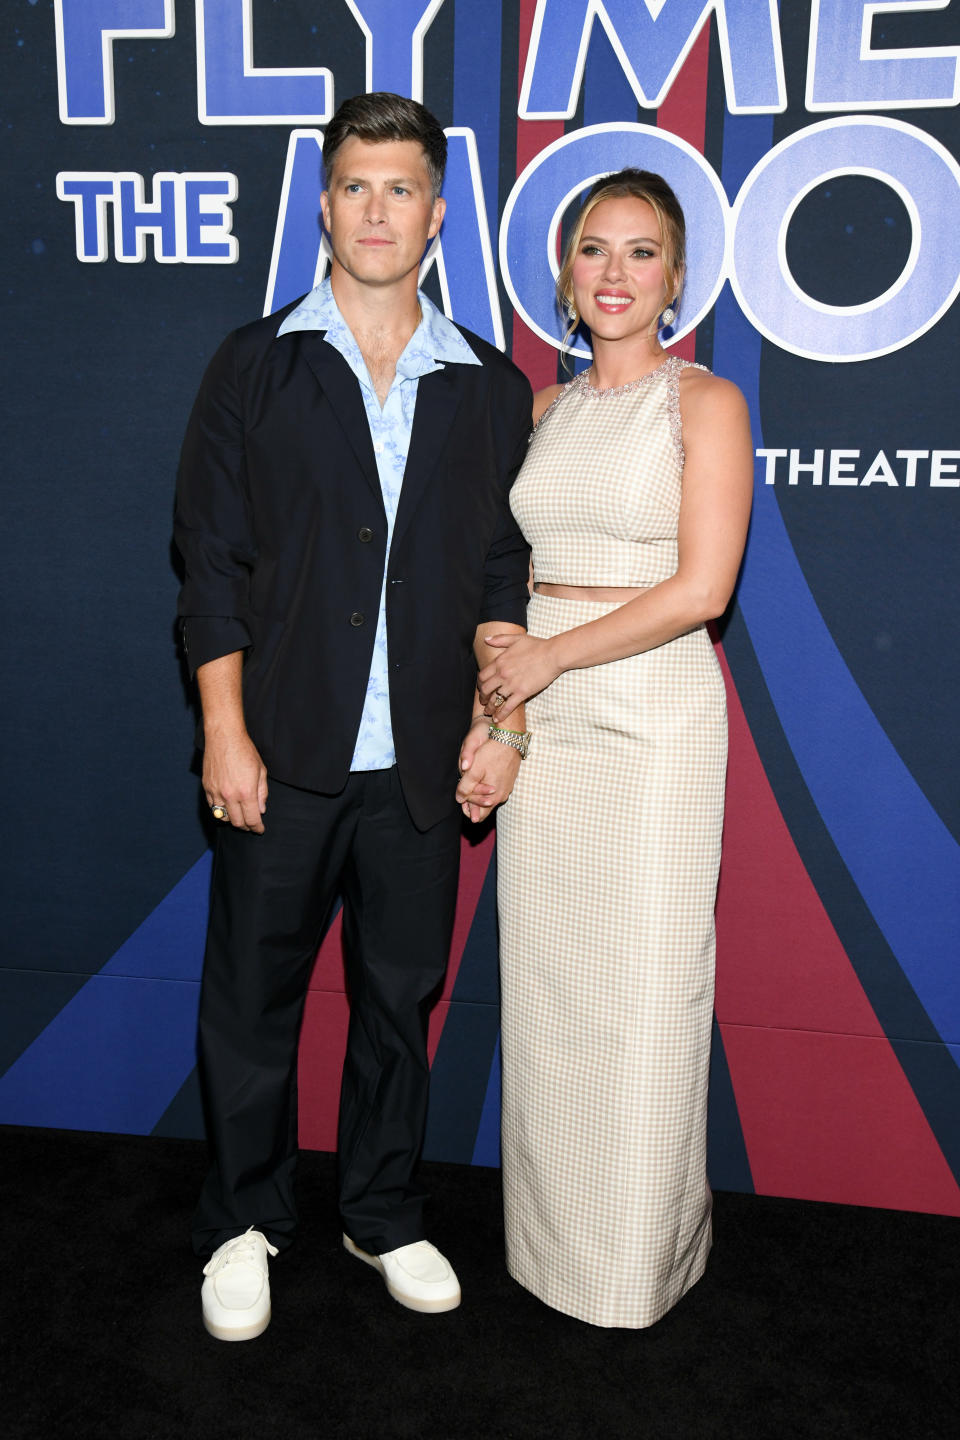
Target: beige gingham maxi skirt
{"points": [[608, 854]]}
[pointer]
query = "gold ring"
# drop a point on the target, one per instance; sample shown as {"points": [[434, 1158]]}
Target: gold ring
{"points": [[499, 699], [219, 812]]}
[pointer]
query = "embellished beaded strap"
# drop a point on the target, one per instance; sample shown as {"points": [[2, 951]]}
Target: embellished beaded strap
{"points": [[675, 368], [613, 392]]}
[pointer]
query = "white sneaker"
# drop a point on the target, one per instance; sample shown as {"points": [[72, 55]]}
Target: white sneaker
{"points": [[417, 1275], [236, 1292]]}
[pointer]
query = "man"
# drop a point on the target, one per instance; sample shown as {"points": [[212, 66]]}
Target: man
{"points": [[342, 514]]}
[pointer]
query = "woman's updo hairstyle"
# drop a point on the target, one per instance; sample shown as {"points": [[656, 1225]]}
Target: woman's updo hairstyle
{"points": [[638, 185]]}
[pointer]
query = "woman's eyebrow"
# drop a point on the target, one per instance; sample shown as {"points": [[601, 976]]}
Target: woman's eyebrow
{"points": [[634, 240]]}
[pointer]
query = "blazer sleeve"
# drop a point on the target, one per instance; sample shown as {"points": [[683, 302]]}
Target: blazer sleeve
{"points": [[507, 567], [212, 524]]}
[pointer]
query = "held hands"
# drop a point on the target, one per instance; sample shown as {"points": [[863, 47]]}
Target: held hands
{"points": [[235, 779], [487, 772], [524, 668]]}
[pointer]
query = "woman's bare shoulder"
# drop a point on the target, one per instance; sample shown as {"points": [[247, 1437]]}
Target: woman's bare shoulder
{"points": [[709, 395], [695, 380], [544, 399]]}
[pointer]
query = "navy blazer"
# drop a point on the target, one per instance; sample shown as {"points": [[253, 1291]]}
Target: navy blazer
{"points": [[281, 525]]}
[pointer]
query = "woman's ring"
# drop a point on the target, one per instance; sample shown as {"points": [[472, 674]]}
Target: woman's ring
{"points": [[219, 812], [499, 699]]}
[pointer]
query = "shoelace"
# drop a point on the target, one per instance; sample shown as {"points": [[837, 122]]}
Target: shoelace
{"points": [[240, 1251]]}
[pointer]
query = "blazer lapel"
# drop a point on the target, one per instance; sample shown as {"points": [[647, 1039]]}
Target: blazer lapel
{"points": [[438, 399], [342, 389]]}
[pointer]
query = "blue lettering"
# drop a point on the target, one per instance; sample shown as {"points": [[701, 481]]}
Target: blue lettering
{"points": [[138, 219], [468, 280], [925, 176], [535, 208], [233, 92], [85, 31], [463, 252], [651, 46], [846, 73], [394, 31], [300, 254], [90, 195], [183, 209], [198, 189]]}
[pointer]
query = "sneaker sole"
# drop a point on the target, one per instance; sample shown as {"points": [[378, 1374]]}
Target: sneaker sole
{"points": [[410, 1302], [236, 1332]]}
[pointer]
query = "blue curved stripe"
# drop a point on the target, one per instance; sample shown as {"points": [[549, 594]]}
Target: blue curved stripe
{"points": [[477, 30], [169, 943], [486, 1146], [728, 1165], [607, 94], [899, 853], [121, 1048], [111, 1060], [460, 1095]]}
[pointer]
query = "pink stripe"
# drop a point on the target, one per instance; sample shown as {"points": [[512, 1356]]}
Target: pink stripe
{"points": [[684, 113]]}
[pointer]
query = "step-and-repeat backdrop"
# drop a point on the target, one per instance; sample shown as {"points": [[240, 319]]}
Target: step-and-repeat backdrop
{"points": [[161, 186]]}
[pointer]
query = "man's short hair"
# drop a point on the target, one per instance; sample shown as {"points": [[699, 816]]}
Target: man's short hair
{"points": [[382, 116]]}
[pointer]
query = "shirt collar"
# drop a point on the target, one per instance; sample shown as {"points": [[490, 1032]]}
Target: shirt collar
{"points": [[435, 339]]}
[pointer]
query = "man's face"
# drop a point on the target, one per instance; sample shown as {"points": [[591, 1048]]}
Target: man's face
{"points": [[379, 209]]}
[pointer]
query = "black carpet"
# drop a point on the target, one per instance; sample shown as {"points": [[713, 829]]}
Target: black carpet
{"points": [[812, 1320]]}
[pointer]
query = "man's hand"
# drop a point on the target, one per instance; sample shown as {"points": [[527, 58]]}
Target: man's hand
{"points": [[471, 784], [525, 666], [488, 772], [235, 777]]}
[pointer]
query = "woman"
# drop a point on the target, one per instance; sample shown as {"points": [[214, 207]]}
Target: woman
{"points": [[635, 497]]}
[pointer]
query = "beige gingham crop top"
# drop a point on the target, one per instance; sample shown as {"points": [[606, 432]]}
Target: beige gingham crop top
{"points": [[598, 496]]}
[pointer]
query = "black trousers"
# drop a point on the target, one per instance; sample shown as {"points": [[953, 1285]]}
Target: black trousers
{"points": [[271, 898]]}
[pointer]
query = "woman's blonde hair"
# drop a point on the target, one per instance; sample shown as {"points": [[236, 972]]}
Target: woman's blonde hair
{"points": [[637, 185]]}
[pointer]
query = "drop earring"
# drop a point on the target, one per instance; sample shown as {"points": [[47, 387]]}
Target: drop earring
{"points": [[667, 318]]}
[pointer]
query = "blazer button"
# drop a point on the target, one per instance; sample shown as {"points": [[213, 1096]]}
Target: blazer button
{"points": [[365, 534], [357, 618]]}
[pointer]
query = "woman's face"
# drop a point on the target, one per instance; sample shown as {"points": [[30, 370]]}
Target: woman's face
{"points": [[618, 283]]}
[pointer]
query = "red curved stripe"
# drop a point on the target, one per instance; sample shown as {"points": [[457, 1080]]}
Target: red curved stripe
{"points": [[826, 1110], [323, 1038]]}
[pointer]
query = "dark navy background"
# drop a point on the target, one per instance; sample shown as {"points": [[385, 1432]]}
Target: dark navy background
{"points": [[106, 853]]}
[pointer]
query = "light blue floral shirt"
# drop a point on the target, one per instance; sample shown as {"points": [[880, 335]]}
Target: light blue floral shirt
{"points": [[434, 343]]}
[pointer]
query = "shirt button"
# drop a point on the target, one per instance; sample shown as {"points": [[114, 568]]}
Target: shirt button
{"points": [[356, 618], [378, 447], [365, 534]]}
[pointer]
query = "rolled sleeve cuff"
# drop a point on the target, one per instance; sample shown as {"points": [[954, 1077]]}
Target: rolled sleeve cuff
{"points": [[208, 637], [512, 609]]}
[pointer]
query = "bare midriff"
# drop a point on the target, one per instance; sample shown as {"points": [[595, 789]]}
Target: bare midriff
{"points": [[604, 594]]}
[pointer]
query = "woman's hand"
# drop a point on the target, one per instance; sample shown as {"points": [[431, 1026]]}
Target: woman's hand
{"points": [[487, 777], [475, 793], [524, 667]]}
